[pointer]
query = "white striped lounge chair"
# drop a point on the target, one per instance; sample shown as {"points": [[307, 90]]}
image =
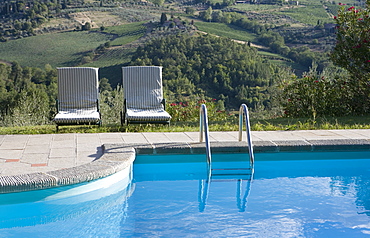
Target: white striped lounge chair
{"points": [[143, 96], [78, 96]]}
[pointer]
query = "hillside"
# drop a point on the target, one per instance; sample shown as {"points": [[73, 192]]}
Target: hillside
{"points": [[300, 25], [106, 36]]}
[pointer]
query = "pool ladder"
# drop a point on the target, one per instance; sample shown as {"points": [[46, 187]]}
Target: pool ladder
{"points": [[243, 114], [222, 174]]}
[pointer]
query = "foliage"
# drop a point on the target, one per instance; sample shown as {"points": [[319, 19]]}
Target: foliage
{"points": [[111, 106], [210, 66], [27, 95], [352, 52], [269, 36], [190, 111], [353, 41], [317, 94]]}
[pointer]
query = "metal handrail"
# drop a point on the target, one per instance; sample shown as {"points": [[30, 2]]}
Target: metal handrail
{"points": [[203, 124], [243, 110]]}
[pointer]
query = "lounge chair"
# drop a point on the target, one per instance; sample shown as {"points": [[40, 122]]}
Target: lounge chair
{"points": [[143, 96], [78, 97]]}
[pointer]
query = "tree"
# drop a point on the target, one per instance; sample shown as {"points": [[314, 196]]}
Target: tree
{"points": [[190, 10], [208, 14], [86, 27], [352, 52], [163, 18], [104, 85]]}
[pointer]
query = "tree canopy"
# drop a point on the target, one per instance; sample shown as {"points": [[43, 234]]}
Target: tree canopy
{"points": [[352, 51], [212, 66]]}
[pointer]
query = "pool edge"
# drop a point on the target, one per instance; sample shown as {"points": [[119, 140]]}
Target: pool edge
{"points": [[117, 157]]}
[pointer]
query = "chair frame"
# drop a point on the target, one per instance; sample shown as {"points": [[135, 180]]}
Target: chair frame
{"points": [[124, 120], [76, 122]]}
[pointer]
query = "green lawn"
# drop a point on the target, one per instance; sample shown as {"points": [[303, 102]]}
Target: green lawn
{"points": [[282, 123]]}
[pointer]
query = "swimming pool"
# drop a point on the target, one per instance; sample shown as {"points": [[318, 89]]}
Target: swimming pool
{"points": [[313, 194]]}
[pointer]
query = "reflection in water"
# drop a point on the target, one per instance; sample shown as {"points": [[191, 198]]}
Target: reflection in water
{"points": [[241, 197], [358, 186]]}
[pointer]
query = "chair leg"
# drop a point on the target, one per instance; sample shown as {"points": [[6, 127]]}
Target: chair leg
{"points": [[120, 113], [123, 118]]}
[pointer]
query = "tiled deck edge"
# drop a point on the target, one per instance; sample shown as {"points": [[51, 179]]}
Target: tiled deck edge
{"points": [[116, 157]]}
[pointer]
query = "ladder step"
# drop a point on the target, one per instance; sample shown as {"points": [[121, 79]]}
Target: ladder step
{"points": [[229, 177], [231, 173], [225, 169]]}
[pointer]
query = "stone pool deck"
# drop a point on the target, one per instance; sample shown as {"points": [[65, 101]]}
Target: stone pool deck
{"points": [[30, 162]]}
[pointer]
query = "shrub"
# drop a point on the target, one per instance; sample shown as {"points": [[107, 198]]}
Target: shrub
{"points": [[317, 95], [190, 111]]}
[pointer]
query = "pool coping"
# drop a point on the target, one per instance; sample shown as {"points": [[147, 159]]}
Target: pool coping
{"points": [[117, 157]]}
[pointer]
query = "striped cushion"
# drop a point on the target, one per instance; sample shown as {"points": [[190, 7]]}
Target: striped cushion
{"points": [[78, 92], [78, 88], [77, 117], [147, 115], [142, 88]]}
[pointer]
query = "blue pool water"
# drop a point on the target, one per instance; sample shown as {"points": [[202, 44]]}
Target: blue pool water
{"points": [[288, 195]]}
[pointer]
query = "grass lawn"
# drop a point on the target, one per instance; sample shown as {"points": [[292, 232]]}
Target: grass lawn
{"points": [[323, 123]]}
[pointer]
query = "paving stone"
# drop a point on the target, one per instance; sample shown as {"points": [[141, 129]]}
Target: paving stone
{"points": [[221, 136], [2, 137], [62, 162], [32, 149], [134, 138], [40, 140], [63, 152], [35, 158], [11, 154], [352, 134], [156, 137], [63, 143], [178, 137], [88, 138], [14, 142]]}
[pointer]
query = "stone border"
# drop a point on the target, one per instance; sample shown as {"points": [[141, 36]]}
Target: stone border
{"points": [[116, 157]]}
